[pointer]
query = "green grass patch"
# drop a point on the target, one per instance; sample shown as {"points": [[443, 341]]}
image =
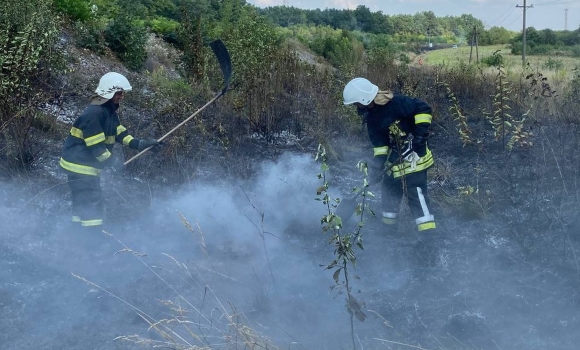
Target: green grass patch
{"points": [[462, 54]]}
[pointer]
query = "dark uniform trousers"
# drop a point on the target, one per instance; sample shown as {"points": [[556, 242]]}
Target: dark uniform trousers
{"points": [[414, 186], [87, 199]]}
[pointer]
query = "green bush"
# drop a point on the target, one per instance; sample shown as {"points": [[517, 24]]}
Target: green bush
{"points": [[404, 58], [553, 64], [28, 33], [573, 89], [575, 50], [89, 35], [76, 10], [127, 39], [495, 60], [163, 26], [542, 49], [339, 47]]}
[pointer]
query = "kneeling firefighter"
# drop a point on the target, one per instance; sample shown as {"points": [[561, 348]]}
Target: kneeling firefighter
{"points": [[398, 127], [87, 149]]}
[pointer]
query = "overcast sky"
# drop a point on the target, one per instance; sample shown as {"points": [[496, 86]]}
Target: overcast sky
{"points": [[502, 13]]}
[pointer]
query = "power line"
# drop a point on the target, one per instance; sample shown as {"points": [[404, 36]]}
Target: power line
{"points": [[556, 2], [514, 21], [502, 18]]}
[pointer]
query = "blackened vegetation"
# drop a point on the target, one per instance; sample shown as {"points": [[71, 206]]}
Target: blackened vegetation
{"points": [[502, 272]]}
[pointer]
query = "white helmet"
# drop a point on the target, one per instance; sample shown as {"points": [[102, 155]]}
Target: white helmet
{"points": [[111, 83], [359, 90]]}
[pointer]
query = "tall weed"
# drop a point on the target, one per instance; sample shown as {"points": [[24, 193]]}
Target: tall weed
{"points": [[28, 34]]}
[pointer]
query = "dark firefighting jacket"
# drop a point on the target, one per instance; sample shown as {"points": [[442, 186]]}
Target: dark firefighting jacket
{"points": [[88, 147], [389, 127]]}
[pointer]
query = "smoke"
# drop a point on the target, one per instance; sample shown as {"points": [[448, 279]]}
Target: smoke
{"points": [[246, 249], [246, 260]]}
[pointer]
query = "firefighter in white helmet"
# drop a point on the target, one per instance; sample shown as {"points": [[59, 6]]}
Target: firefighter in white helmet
{"points": [[87, 149], [398, 128]]}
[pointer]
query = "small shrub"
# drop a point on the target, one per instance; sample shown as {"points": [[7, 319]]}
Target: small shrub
{"points": [[163, 26], [89, 35], [404, 59], [541, 49], [495, 60], [127, 39], [575, 50], [553, 64], [76, 10], [28, 33]]}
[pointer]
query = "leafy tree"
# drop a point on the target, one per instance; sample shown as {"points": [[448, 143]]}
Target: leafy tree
{"points": [[364, 19], [285, 16], [571, 38], [383, 24], [341, 19], [495, 36], [431, 25], [549, 36], [316, 17], [404, 28]]}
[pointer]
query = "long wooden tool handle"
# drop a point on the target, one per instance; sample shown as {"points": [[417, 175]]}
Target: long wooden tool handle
{"points": [[177, 127]]}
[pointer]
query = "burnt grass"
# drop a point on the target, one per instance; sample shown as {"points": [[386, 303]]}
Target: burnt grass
{"points": [[501, 271]]}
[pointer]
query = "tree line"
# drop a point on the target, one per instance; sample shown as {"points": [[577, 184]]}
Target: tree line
{"points": [[424, 26]]}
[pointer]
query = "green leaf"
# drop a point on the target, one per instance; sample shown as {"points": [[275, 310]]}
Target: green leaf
{"points": [[335, 275]]}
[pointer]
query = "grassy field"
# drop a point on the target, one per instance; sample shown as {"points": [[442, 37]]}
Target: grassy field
{"points": [[558, 68]]}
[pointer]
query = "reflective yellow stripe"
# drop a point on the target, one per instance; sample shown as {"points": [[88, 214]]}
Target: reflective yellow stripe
{"points": [[423, 118], [93, 140], [76, 218], [110, 140], [424, 162], [96, 222], [121, 129], [104, 156], [426, 226], [398, 172], [389, 221], [381, 151], [127, 139], [76, 132], [79, 169]]}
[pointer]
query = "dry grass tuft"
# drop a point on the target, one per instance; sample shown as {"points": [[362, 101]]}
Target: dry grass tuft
{"points": [[221, 328]]}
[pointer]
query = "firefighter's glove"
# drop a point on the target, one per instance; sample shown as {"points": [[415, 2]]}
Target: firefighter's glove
{"points": [[419, 145], [412, 158], [154, 144], [376, 168]]}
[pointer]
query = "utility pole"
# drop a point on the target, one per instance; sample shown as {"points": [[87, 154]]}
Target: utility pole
{"points": [[524, 7], [474, 42], [566, 19]]}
